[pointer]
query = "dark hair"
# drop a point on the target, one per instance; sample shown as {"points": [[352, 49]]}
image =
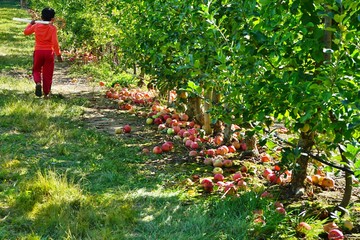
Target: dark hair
{"points": [[47, 14]]}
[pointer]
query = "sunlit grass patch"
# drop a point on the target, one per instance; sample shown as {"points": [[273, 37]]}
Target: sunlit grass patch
{"points": [[56, 206]]}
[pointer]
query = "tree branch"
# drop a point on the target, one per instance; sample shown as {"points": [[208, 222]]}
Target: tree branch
{"points": [[317, 157]]}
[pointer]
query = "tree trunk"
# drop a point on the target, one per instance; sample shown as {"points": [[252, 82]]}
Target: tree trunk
{"points": [[194, 109], [227, 133], [217, 128], [141, 82], [306, 142], [348, 183], [207, 106]]}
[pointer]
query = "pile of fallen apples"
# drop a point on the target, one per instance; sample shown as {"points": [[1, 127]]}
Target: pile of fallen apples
{"points": [[228, 177], [127, 98]]}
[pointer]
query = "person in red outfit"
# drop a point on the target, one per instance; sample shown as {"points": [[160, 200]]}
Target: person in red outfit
{"points": [[46, 47]]}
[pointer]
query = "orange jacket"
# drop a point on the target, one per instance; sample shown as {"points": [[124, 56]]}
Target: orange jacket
{"points": [[45, 37]]}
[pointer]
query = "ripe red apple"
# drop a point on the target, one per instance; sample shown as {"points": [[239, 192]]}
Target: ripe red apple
{"points": [[194, 145], [266, 194], [243, 146], [181, 132], [335, 234], [157, 150], [278, 204], [281, 210], [188, 142], [232, 149], [175, 116], [218, 139], [272, 177], [222, 150], [192, 131], [267, 171], [184, 117], [174, 123], [210, 152], [243, 169], [176, 129], [207, 185], [242, 185], [193, 153], [158, 121], [190, 124], [161, 126], [303, 227], [265, 158], [186, 134], [227, 163], [229, 188], [218, 177], [276, 168], [166, 147], [126, 128], [237, 176]]}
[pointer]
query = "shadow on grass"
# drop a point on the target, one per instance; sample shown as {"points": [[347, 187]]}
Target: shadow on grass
{"points": [[71, 146]]}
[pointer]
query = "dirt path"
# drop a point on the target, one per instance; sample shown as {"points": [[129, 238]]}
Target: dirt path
{"points": [[101, 113]]}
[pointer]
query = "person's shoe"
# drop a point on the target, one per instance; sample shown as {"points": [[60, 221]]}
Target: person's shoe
{"points": [[38, 91]]}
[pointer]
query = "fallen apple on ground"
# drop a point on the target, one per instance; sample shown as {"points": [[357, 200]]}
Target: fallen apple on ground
{"points": [[303, 227], [126, 128]]}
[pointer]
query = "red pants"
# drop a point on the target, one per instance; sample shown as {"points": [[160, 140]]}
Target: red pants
{"points": [[43, 68]]}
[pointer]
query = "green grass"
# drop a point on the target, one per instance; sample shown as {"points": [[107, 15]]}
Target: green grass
{"points": [[14, 45], [61, 179]]}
